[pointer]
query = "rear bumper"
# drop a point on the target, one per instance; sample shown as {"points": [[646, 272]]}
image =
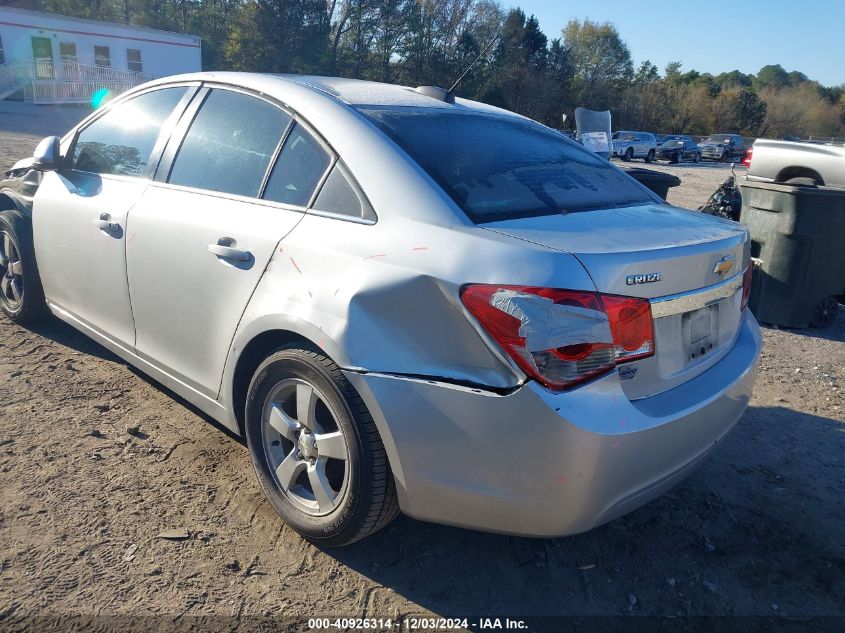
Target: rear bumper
{"points": [[539, 463]]}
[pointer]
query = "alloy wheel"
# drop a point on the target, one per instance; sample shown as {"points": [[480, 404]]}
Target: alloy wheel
{"points": [[11, 282], [305, 446]]}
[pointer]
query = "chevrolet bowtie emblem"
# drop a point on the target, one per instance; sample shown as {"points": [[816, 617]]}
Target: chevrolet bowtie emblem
{"points": [[724, 265]]}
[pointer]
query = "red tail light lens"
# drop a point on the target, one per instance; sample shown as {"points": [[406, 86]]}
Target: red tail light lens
{"points": [[747, 159], [631, 324], [562, 337], [746, 285]]}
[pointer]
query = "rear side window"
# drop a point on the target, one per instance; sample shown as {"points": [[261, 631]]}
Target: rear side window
{"points": [[341, 197], [229, 144], [499, 168], [122, 140], [298, 170]]}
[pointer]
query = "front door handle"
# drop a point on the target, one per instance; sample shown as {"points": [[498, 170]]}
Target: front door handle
{"points": [[104, 223], [224, 249]]}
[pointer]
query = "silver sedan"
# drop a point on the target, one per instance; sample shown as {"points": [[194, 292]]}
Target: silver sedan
{"points": [[402, 300]]}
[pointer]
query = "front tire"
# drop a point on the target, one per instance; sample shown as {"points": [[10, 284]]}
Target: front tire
{"points": [[628, 155], [21, 295], [316, 450]]}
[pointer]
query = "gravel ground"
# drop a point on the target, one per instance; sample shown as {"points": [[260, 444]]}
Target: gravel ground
{"points": [[97, 461]]}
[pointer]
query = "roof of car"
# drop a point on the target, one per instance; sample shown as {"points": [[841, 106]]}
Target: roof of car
{"points": [[359, 92], [353, 92]]}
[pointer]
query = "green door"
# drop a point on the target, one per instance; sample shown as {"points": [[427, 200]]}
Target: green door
{"points": [[42, 52]]}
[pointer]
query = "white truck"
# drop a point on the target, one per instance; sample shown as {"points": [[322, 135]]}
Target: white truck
{"points": [[798, 162]]}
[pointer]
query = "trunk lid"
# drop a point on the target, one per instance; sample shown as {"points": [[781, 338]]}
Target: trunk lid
{"points": [[657, 252]]}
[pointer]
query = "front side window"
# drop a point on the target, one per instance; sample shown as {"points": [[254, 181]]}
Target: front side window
{"points": [[230, 144], [102, 57], [122, 140], [498, 168], [2, 52], [299, 169], [133, 60]]}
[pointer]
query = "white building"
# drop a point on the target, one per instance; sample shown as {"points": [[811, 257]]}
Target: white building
{"points": [[52, 58]]}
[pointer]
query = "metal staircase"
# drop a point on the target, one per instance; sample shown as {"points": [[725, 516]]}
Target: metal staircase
{"points": [[63, 82]]}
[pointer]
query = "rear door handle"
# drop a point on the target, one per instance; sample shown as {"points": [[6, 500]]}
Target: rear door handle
{"points": [[224, 250]]}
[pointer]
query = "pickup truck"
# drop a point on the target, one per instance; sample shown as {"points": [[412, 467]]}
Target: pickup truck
{"points": [[723, 147], [798, 162]]}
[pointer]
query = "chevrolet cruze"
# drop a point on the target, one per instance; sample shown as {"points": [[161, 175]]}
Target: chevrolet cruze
{"points": [[401, 299]]}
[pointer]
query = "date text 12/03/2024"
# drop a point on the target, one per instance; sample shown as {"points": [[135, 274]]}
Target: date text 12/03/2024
{"points": [[415, 624]]}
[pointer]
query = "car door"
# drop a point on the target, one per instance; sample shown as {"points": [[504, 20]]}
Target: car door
{"points": [[80, 211], [642, 145], [203, 233]]}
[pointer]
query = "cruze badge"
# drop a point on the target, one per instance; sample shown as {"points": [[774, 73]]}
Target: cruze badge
{"points": [[724, 265], [648, 278]]}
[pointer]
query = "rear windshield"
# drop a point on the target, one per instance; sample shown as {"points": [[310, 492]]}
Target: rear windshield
{"points": [[496, 168]]}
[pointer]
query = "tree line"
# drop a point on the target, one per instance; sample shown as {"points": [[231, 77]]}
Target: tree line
{"points": [[421, 42]]}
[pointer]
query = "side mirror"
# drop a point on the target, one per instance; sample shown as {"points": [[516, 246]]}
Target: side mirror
{"points": [[47, 155]]}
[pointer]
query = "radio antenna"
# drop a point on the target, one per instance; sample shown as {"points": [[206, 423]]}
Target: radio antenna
{"points": [[482, 54]]}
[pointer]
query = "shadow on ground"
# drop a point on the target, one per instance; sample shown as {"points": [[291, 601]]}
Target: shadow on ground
{"points": [[834, 332], [757, 531]]}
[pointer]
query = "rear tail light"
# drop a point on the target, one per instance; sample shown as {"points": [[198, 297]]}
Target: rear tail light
{"points": [[562, 337], [746, 285], [747, 158]]}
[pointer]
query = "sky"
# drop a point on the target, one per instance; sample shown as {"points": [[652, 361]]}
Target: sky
{"points": [[716, 35]]}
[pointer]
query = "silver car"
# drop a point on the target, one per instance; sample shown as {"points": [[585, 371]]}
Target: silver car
{"points": [[401, 299]]}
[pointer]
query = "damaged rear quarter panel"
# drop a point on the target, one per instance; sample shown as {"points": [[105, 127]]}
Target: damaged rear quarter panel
{"points": [[385, 298]]}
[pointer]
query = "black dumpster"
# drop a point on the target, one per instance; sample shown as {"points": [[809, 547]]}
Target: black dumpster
{"points": [[798, 233], [657, 181]]}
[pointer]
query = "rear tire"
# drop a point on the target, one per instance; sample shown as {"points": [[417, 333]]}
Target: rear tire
{"points": [[331, 492], [649, 158], [677, 158], [21, 295], [696, 158]]}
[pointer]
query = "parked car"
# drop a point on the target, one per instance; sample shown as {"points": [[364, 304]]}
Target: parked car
{"points": [[723, 147], [679, 149], [401, 299], [630, 145], [797, 162]]}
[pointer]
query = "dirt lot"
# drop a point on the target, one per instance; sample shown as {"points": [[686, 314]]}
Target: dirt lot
{"points": [[96, 461]]}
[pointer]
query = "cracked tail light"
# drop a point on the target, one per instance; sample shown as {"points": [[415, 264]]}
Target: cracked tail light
{"points": [[562, 338]]}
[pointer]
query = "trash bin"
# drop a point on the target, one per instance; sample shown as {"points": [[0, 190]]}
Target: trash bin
{"points": [[798, 233], [657, 181]]}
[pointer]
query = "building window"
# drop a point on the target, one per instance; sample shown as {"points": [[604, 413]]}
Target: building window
{"points": [[2, 53], [67, 50], [101, 56], [133, 60]]}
